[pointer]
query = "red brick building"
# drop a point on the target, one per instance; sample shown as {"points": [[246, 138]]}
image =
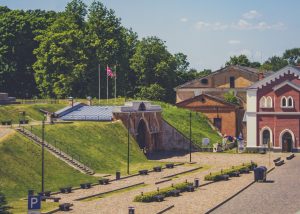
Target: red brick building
{"points": [[273, 111]]}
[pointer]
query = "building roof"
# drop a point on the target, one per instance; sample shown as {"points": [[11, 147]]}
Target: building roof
{"points": [[218, 99], [293, 85], [286, 70], [236, 67]]}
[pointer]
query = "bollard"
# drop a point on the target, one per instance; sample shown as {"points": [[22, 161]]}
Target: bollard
{"points": [[118, 175], [130, 210], [196, 182]]}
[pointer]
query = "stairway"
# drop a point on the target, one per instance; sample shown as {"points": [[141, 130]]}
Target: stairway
{"points": [[57, 152]]}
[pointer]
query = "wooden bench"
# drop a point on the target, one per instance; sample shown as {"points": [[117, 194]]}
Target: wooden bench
{"points": [[6, 122], [143, 172], [86, 186], [103, 181], [279, 163], [234, 174], [277, 159], [65, 206], [65, 189], [159, 198], [290, 157], [170, 165], [190, 189], [174, 192], [157, 169]]}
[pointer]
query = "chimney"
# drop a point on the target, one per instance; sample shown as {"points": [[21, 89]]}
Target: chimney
{"points": [[261, 76], [71, 101]]}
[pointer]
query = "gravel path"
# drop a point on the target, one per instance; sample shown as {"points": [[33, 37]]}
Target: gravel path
{"points": [[5, 131], [281, 195], [200, 201]]}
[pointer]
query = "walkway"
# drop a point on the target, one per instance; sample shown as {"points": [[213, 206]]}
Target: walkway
{"points": [[280, 195]]}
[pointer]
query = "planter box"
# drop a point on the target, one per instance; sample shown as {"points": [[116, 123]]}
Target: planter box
{"points": [[104, 181], [169, 165], [157, 169], [85, 186]]}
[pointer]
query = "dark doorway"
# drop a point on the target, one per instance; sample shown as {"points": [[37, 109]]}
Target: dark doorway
{"points": [[266, 137], [142, 107], [287, 142], [141, 137], [218, 123], [231, 82]]}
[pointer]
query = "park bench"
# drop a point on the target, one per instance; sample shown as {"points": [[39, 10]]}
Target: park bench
{"points": [[174, 192], [279, 163], [170, 165], [143, 172], [244, 171], [65, 189], [190, 188], [159, 198], [65, 206], [277, 159], [85, 186], [23, 121], [234, 174], [55, 199], [104, 181], [157, 169], [290, 157]]}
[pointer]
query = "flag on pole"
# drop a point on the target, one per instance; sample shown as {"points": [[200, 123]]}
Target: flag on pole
{"points": [[109, 72]]}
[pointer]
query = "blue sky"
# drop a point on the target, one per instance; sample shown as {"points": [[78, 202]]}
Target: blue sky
{"points": [[209, 31]]}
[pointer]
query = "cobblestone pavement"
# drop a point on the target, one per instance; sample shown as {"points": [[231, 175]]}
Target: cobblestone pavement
{"points": [[279, 195], [199, 201]]}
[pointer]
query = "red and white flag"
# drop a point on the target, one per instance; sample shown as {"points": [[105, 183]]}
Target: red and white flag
{"points": [[109, 72]]}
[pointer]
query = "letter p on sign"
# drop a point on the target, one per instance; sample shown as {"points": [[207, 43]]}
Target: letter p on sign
{"points": [[34, 202]]}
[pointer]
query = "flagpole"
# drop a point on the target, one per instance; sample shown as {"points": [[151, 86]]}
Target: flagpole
{"points": [[116, 83], [106, 85], [99, 84]]}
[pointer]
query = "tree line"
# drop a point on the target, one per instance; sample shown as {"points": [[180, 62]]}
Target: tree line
{"points": [[48, 54]]}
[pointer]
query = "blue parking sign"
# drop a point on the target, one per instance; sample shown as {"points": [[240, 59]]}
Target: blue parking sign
{"points": [[34, 202]]}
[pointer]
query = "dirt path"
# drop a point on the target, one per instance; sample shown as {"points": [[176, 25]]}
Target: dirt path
{"points": [[4, 132]]}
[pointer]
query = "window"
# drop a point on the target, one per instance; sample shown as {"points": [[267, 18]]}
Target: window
{"points": [[287, 102], [266, 136], [266, 102], [204, 81], [262, 102], [231, 82]]}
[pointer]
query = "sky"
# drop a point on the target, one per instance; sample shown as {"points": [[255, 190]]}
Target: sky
{"points": [[207, 31]]}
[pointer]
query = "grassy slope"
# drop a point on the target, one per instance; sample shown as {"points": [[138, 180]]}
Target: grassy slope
{"points": [[180, 119], [20, 168], [11, 112], [101, 144]]}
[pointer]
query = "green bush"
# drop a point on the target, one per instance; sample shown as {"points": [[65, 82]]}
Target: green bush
{"points": [[216, 176], [149, 196]]}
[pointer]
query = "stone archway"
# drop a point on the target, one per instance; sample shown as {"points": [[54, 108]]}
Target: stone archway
{"points": [[141, 134]]}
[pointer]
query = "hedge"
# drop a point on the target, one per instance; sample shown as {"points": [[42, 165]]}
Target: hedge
{"points": [[149, 196], [216, 175]]}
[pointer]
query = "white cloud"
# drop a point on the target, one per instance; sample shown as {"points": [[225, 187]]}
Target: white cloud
{"points": [[183, 19], [201, 25], [245, 25], [252, 14], [234, 42]]}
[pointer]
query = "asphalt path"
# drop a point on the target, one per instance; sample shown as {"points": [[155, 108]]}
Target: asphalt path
{"points": [[280, 194]]}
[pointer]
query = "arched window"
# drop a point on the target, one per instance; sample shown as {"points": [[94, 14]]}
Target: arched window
{"points": [[269, 102], [262, 102], [283, 102], [290, 102], [266, 137], [204, 81]]}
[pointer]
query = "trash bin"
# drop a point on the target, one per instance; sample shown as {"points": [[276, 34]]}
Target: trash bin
{"points": [[118, 175], [196, 182], [131, 210], [260, 174]]}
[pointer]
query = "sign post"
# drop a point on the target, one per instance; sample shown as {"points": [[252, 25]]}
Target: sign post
{"points": [[34, 204]]}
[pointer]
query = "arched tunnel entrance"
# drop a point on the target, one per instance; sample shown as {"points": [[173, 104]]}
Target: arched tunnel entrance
{"points": [[141, 134]]}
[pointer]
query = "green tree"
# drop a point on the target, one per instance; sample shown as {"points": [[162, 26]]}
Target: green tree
{"points": [[61, 56], [231, 98], [153, 92], [181, 62], [292, 56], [4, 209], [274, 63], [238, 60]]}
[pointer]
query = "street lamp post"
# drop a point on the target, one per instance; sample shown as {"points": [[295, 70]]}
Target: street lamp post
{"points": [[190, 136], [128, 140], [43, 153]]}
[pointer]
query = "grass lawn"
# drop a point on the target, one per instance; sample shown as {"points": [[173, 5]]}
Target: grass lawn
{"points": [[180, 119], [20, 169], [101, 145], [11, 112], [20, 206]]}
